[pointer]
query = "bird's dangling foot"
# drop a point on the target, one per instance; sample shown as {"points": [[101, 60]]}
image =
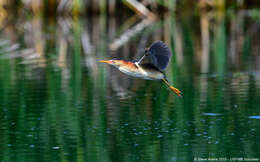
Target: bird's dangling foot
{"points": [[175, 90]]}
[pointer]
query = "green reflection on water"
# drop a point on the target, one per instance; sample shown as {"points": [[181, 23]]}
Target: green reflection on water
{"points": [[63, 106]]}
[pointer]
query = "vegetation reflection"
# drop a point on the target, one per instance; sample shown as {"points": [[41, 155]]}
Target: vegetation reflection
{"points": [[58, 104]]}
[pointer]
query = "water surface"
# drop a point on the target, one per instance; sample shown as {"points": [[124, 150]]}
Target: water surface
{"points": [[58, 104]]}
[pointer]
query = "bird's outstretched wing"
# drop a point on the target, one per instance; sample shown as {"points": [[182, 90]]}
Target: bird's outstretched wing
{"points": [[149, 66], [160, 55]]}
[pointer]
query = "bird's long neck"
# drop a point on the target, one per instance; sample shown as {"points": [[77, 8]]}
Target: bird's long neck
{"points": [[140, 60], [128, 66]]}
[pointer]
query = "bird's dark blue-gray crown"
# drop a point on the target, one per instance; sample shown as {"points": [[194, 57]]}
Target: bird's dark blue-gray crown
{"points": [[160, 55]]}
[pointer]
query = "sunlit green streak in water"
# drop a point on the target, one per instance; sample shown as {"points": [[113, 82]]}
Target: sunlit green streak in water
{"points": [[219, 52], [247, 52], [4, 104], [219, 48]]}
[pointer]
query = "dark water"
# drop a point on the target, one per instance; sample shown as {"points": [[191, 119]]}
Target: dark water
{"points": [[58, 104]]}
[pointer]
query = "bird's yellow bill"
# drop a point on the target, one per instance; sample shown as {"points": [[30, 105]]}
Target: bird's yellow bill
{"points": [[105, 61]]}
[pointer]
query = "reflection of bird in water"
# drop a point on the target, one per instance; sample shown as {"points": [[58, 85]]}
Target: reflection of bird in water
{"points": [[160, 56]]}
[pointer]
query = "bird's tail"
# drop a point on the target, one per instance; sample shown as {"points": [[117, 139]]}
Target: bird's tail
{"points": [[175, 90]]}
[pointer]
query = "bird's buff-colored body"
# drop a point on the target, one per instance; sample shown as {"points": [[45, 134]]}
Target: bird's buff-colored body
{"points": [[141, 71], [144, 71], [133, 69]]}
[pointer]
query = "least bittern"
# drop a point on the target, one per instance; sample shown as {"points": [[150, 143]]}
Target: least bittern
{"points": [[160, 56]]}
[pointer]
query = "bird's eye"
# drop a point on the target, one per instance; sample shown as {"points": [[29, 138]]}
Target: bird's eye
{"points": [[146, 50]]}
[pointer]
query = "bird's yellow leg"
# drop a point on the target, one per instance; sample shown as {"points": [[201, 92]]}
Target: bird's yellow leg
{"points": [[175, 90]]}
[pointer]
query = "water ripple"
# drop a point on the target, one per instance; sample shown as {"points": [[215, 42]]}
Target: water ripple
{"points": [[254, 117]]}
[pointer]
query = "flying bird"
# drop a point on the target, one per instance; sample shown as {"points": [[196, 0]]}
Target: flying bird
{"points": [[159, 54]]}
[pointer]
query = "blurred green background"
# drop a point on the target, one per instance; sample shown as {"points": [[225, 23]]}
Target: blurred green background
{"points": [[58, 104]]}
